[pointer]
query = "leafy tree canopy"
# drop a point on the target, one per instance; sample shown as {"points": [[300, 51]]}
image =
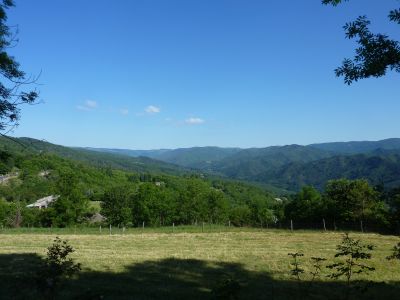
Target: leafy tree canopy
{"points": [[12, 78], [376, 53]]}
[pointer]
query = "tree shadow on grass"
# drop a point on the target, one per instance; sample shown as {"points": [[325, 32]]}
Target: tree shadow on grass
{"points": [[171, 279]]}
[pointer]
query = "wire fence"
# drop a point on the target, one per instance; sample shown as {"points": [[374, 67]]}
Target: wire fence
{"points": [[203, 227]]}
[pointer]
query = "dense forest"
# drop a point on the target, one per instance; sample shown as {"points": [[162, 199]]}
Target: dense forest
{"points": [[126, 198], [288, 168], [129, 198]]}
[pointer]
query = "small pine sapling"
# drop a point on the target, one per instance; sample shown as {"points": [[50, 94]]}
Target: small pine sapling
{"points": [[228, 288], [57, 266], [353, 251], [317, 267], [296, 270], [395, 253]]}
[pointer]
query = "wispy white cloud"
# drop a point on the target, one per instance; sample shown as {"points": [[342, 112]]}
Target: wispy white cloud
{"points": [[151, 109], [91, 104], [194, 121], [124, 111], [82, 107], [88, 105]]}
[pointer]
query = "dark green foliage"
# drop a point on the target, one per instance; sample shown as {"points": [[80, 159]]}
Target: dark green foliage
{"points": [[227, 289], [353, 253], [129, 199], [291, 167], [116, 205], [106, 161], [355, 200], [343, 202], [196, 157], [376, 52], [58, 266], [332, 2], [296, 270], [307, 206], [317, 267], [351, 199], [362, 147], [12, 95], [396, 252], [378, 168]]}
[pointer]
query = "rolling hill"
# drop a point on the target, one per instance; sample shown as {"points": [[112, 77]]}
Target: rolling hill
{"points": [[283, 167], [94, 158], [359, 147], [290, 167]]}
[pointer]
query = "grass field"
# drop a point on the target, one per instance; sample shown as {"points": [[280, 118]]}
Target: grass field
{"points": [[151, 265]]}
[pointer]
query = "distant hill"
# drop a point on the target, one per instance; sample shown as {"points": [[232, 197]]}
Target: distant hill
{"points": [[132, 153], [289, 167], [359, 147], [377, 168], [249, 163], [282, 167], [196, 157], [94, 158]]}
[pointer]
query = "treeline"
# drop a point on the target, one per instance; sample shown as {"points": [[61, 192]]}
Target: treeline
{"points": [[345, 203], [129, 199], [126, 198]]}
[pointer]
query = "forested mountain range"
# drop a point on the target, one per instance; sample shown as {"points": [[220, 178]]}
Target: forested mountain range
{"points": [[359, 147], [195, 157], [289, 167], [283, 167], [34, 169], [95, 158]]}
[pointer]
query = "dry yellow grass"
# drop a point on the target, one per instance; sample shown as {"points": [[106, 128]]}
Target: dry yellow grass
{"points": [[258, 252]]}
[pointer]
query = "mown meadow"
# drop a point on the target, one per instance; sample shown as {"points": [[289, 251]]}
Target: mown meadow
{"points": [[187, 264]]}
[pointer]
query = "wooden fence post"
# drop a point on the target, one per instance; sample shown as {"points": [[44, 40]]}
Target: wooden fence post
{"points": [[323, 221], [110, 229], [361, 224], [100, 229], [173, 227], [202, 227], [291, 225]]}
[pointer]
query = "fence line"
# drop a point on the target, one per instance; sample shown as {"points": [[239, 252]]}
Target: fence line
{"points": [[292, 225]]}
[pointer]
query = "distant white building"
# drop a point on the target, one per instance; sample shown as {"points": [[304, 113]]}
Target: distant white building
{"points": [[7, 177], [44, 173], [44, 202]]}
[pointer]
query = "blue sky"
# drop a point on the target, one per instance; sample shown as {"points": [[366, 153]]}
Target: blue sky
{"points": [[146, 74]]}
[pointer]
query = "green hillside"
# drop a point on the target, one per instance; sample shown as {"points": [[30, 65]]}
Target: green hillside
{"points": [[127, 197], [378, 169], [250, 163], [94, 158], [359, 147], [292, 166], [197, 157]]}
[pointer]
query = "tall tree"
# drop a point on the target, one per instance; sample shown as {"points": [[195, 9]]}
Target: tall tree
{"points": [[13, 79], [307, 206], [376, 52], [353, 200]]}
